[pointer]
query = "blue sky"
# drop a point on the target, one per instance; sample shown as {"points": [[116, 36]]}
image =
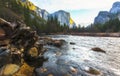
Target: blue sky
{"points": [[82, 11]]}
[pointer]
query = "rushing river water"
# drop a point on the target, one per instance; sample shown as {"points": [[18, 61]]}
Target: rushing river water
{"points": [[80, 57]]}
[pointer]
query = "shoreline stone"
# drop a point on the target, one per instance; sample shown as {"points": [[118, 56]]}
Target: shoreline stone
{"points": [[19, 46], [97, 49]]}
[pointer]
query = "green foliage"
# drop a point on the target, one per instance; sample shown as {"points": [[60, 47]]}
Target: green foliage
{"points": [[110, 26], [53, 26], [15, 10]]}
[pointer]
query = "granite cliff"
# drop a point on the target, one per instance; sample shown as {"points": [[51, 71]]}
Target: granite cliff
{"points": [[105, 16]]}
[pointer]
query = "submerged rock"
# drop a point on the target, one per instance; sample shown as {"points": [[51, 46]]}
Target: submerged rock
{"points": [[72, 43], [97, 49]]}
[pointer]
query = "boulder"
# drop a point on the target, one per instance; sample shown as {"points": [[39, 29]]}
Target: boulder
{"points": [[25, 70], [97, 49], [57, 43], [33, 52], [53, 42], [93, 71], [9, 69]]}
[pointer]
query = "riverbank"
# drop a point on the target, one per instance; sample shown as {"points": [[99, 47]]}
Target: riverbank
{"points": [[87, 34], [97, 34]]}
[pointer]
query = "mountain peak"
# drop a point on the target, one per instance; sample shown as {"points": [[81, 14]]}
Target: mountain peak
{"points": [[116, 4], [102, 17], [115, 8], [64, 18], [61, 11], [105, 16]]}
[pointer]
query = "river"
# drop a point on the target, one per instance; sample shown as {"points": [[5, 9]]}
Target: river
{"points": [[75, 60]]}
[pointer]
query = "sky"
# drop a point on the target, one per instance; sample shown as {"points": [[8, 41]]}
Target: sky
{"points": [[82, 12]]}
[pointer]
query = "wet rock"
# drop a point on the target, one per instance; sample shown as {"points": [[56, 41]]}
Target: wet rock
{"points": [[6, 29], [58, 53], [33, 52], [25, 70], [97, 49], [42, 70], [16, 58], [35, 62], [5, 57], [53, 42], [24, 38], [72, 43], [4, 43], [73, 70], [9, 69], [92, 71], [58, 43], [50, 75], [2, 33]]}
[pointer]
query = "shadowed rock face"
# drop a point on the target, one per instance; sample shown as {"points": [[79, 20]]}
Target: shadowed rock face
{"points": [[105, 16], [64, 18], [115, 8]]}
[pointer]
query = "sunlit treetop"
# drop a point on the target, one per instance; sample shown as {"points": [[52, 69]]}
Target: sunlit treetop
{"points": [[27, 4]]}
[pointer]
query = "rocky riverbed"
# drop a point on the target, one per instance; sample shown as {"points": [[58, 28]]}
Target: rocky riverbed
{"points": [[82, 56], [24, 53]]}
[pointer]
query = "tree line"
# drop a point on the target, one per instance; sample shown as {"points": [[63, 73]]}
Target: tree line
{"points": [[112, 25], [52, 25]]}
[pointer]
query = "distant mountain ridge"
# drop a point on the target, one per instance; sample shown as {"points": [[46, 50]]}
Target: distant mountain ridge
{"points": [[19, 6], [62, 16], [105, 16]]}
